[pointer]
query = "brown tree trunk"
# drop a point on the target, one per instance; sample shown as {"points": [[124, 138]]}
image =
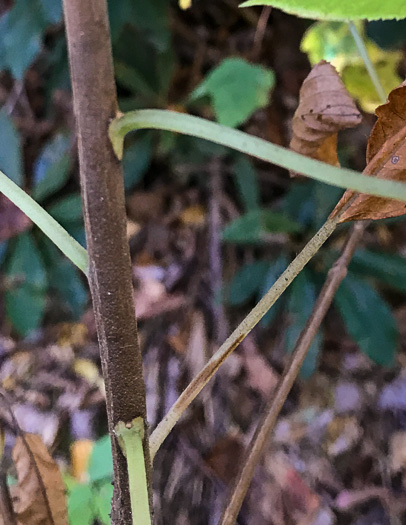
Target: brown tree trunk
{"points": [[95, 104]]}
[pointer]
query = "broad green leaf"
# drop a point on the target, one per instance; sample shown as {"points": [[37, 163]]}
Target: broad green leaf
{"points": [[103, 503], [67, 209], [275, 269], [64, 279], [25, 297], [101, 461], [136, 160], [387, 34], [368, 320], [133, 80], [80, 505], [334, 10], [237, 89], [300, 305], [254, 226], [51, 169], [10, 151], [153, 19], [299, 203], [247, 282], [389, 269], [247, 183], [118, 18], [52, 10], [360, 86], [333, 42], [21, 36]]}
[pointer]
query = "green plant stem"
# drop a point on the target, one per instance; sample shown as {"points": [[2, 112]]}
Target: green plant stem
{"points": [[259, 148], [130, 437], [359, 41], [203, 377], [52, 229]]}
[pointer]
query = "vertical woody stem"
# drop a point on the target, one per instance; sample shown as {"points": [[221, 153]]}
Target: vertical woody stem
{"points": [[95, 105]]}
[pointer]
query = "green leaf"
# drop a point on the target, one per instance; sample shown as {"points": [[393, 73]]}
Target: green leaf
{"points": [[253, 227], [25, 298], [387, 34], [80, 505], [101, 461], [332, 41], [300, 305], [360, 86], [247, 282], [103, 503], [247, 183], [68, 209], [333, 10], [368, 320], [10, 151], [51, 169], [275, 269], [52, 10], [389, 269], [22, 27], [237, 89], [137, 160], [64, 279]]}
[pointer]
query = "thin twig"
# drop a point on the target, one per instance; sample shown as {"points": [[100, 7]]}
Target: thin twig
{"points": [[260, 30], [215, 260], [265, 426], [244, 328]]}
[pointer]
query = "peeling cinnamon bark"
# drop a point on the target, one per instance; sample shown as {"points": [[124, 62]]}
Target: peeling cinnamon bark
{"points": [[95, 104]]}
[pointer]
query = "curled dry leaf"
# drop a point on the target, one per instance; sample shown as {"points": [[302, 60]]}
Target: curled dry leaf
{"points": [[325, 108], [39, 498], [386, 159]]}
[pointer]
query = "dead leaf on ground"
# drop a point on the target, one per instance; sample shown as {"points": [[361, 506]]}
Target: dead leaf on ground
{"points": [[39, 498], [386, 159], [325, 108]]}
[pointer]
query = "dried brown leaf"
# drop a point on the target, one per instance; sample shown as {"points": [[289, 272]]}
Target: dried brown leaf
{"points": [[386, 159], [39, 498], [325, 108]]}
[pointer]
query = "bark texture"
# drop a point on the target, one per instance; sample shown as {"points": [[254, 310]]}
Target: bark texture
{"points": [[95, 104]]}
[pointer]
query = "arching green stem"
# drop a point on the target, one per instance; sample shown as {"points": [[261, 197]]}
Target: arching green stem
{"points": [[52, 229], [259, 148]]}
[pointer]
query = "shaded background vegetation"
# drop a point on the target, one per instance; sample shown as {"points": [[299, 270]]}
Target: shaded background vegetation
{"points": [[209, 230]]}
